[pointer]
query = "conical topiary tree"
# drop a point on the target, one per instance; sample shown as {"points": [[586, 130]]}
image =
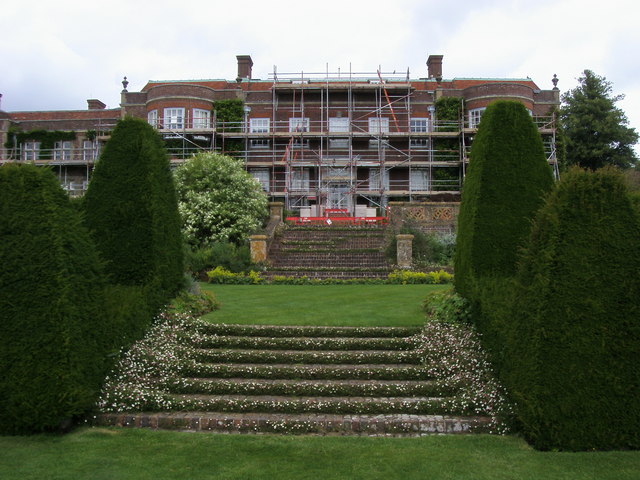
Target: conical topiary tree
{"points": [[574, 345], [132, 211], [507, 178], [53, 336]]}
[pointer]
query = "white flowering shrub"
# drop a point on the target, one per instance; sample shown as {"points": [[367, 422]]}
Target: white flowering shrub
{"points": [[218, 200], [455, 357], [140, 379]]}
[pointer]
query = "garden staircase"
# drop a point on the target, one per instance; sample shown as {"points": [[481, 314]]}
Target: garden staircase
{"points": [[337, 251], [306, 380]]}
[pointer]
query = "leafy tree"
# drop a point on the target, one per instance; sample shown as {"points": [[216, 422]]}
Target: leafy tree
{"points": [[597, 131], [575, 336], [218, 200], [53, 335], [507, 178], [132, 211]]}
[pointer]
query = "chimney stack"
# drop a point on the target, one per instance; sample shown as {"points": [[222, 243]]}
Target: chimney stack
{"points": [[95, 104], [434, 66], [244, 66]]}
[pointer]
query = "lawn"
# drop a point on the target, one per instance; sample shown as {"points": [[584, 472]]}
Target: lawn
{"points": [[110, 453], [142, 454], [355, 305]]}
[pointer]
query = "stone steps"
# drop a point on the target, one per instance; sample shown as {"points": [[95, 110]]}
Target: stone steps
{"points": [[327, 357], [305, 380], [327, 252], [309, 388], [310, 424], [312, 371]]}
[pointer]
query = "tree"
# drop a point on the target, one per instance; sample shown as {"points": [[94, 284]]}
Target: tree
{"points": [[218, 200], [597, 132], [507, 178], [132, 211], [575, 336], [53, 335]]}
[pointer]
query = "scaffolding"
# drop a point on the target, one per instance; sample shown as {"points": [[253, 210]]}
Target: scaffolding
{"points": [[353, 142]]}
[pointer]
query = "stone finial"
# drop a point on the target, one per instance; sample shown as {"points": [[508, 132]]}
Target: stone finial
{"points": [[554, 80], [125, 84]]}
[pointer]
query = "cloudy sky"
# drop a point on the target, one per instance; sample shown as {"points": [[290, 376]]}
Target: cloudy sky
{"points": [[57, 54]]}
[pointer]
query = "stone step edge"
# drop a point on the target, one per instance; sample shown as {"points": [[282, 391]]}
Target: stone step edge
{"points": [[294, 329], [299, 424]]}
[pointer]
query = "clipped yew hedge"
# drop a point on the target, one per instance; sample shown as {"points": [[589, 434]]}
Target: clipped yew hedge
{"points": [[507, 178], [574, 344], [53, 337], [132, 212]]}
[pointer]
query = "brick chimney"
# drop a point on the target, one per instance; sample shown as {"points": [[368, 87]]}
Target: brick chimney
{"points": [[95, 104], [434, 66], [244, 66]]}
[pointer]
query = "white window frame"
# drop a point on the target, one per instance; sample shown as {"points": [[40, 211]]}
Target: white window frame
{"points": [[378, 125], [419, 179], [300, 179], [339, 143], [419, 125], [297, 125], [152, 118], [259, 143], [173, 118], [339, 125], [90, 150], [475, 115], [259, 125], [31, 150], [375, 180], [201, 118], [63, 150], [262, 176]]}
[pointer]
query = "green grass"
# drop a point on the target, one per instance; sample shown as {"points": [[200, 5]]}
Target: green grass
{"points": [[352, 305], [102, 453]]}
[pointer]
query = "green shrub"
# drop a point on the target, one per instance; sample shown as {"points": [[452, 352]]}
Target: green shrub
{"points": [[195, 304], [221, 275], [446, 306], [573, 351], [427, 249], [129, 311], [405, 277], [132, 212], [508, 176], [219, 254], [53, 334]]}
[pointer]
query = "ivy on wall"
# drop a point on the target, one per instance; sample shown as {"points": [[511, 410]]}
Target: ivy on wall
{"points": [[46, 138], [229, 112]]}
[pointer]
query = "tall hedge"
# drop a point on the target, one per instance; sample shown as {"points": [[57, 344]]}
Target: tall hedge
{"points": [[132, 211], [52, 333], [507, 178], [574, 347]]}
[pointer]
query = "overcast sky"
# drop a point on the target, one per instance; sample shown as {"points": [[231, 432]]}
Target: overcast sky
{"points": [[57, 54]]}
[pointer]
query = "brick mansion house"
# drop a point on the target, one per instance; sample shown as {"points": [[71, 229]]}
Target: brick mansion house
{"points": [[343, 140]]}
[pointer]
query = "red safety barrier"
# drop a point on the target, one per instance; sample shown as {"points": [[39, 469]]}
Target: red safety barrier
{"points": [[338, 220]]}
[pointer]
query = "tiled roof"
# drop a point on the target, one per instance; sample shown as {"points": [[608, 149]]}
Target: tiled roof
{"points": [[110, 114]]}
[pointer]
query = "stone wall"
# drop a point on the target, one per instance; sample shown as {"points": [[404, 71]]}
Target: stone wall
{"points": [[428, 216]]}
